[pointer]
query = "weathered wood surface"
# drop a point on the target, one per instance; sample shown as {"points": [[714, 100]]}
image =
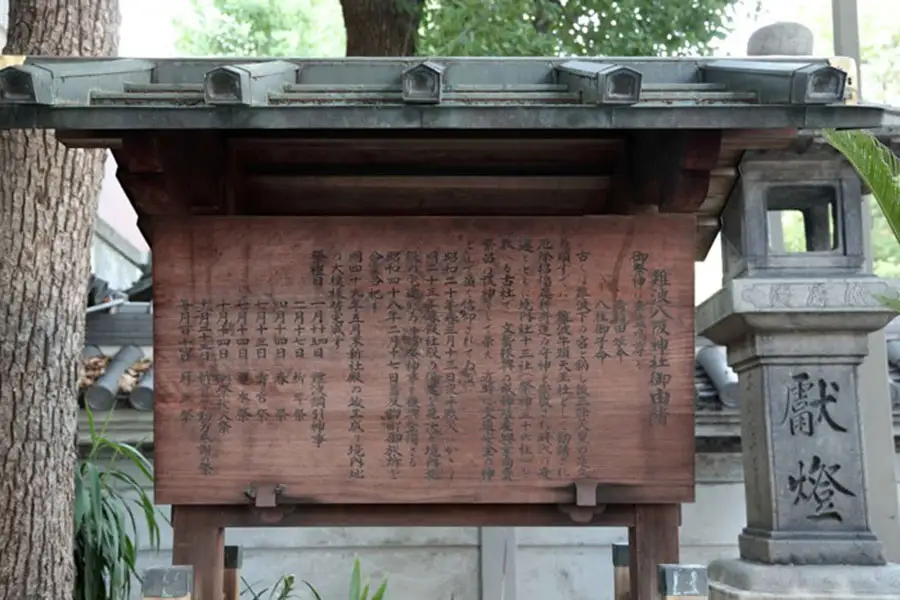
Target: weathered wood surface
{"points": [[423, 360]]}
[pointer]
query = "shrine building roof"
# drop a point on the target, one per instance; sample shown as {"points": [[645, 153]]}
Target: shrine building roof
{"points": [[454, 93], [458, 136]]}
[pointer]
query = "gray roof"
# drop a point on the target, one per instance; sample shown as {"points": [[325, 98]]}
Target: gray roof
{"points": [[403, 93]]}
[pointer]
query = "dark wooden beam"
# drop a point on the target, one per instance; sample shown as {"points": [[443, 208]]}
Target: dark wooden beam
{"points": [[196, 169], [168, 173], [668, 169], [518, 195]]}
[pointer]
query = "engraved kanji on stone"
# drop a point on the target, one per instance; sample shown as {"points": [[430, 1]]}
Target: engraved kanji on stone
{"points": [[815, 486], [807, 405]]}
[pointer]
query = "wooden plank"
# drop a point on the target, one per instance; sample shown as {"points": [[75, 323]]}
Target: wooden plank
{"points": [[400, 515], [458, 194], [198, 541], [526, 153], [652, 541], [423, 360]]}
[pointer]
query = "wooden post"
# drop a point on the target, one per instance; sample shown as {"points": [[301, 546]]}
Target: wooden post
{"points": [[651, 542], [679, 582], [234, 559], [199, 541], [168, 583], [621, 572]]}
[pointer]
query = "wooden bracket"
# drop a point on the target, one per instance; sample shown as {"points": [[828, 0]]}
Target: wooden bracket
{"points": [[586, 505], [264, 496], [666, 169], [169, 174]]}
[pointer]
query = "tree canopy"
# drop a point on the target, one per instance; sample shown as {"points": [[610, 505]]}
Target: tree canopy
{"points": [[572, 27], [462, 27], [260, 28]]}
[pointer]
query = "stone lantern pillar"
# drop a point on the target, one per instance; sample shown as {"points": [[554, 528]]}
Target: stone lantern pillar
{"points": [[796, 327]]}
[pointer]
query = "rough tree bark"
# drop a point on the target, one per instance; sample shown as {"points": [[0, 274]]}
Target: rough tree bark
{"points": [[382, 27], [48, 202]]}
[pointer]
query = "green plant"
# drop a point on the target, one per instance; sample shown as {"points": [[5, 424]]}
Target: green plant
{"points": [[106, 500], [358, 591], [282, 590], [879, 170]]}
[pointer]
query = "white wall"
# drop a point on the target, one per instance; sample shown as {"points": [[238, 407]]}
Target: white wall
{"points": [[440, 563]]}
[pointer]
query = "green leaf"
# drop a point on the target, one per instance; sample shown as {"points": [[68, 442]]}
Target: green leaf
{"points": [[381, 591], [355, 580], [108, 502], [313, 590], [878, 168]]}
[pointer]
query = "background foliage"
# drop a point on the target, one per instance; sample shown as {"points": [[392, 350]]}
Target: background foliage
{"points": [[574, 27], [468, 27], [260, 28]]}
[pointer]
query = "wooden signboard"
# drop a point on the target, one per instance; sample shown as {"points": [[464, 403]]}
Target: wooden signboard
{"points": [[423, 360]]}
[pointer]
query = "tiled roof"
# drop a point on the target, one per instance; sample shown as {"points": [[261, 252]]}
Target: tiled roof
{"points": [[291, 94]]}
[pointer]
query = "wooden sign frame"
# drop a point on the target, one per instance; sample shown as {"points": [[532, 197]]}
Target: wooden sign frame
{"points": [[531, 353]]}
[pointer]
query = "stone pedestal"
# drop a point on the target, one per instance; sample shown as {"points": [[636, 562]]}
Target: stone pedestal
{"points": [[742, 580], [795, 345], [796, 326]]}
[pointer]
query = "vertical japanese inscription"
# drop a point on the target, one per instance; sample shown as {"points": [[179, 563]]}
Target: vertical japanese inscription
{"points": [[186, 328], [318, 399], [452, 306], [807, 405], [432, 374], [205, 331], [545, 355], [514, 331], [816, 486], [526, 360], [241, 329], [582, 403], [393, 415], [486, 380], [336, 299], [356, 404], [507, 368], [639, 317], [816, 483], [660, 377], [414, 349]]}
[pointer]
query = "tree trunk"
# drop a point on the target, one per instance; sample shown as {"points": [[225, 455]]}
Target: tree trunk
{"points": [[382, 27], [48, 202]]}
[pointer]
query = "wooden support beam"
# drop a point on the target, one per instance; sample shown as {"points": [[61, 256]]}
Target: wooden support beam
{"points": [[621, 572], [667, 169], [171, 173], [459, 194], [234, 560], [652, 541], [199, 542], [196, 169]]}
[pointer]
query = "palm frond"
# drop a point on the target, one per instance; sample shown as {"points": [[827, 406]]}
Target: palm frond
{"points": [[876, 165]]}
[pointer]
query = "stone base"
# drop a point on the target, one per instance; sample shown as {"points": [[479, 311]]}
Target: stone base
{"points": [[811, 548], [736, 579]]}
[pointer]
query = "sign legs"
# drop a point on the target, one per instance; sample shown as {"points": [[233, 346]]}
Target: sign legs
{"points": [[199, 541], [652, 541]]}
